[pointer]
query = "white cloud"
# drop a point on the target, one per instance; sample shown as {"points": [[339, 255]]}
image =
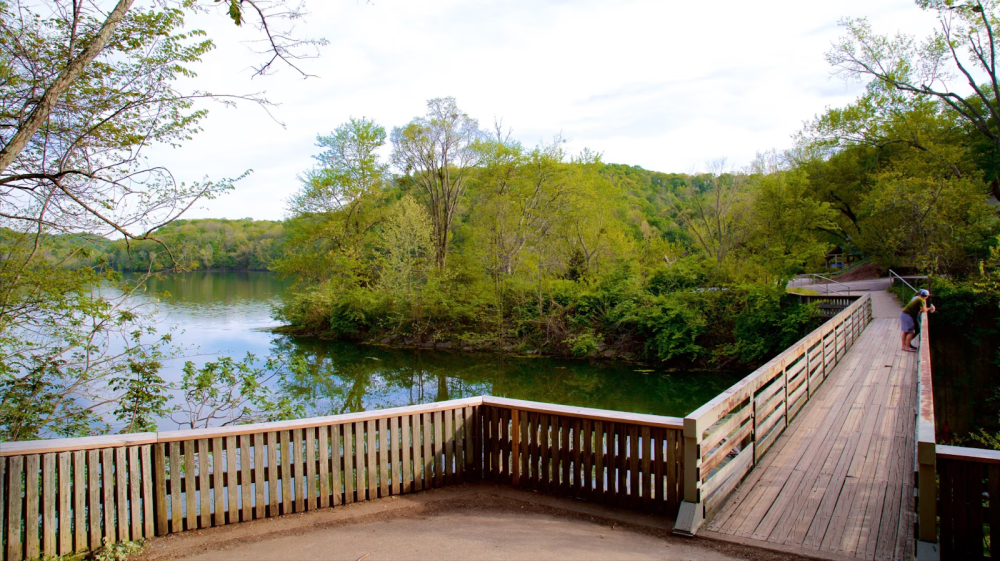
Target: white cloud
{"points": [[662, 84]]}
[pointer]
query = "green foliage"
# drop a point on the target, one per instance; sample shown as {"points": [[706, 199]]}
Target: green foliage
{"points": [[119, 551], [227, 392], [582, 345]]}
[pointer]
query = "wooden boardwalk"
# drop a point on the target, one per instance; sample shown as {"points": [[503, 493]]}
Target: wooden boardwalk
{"points": [[840, 479]]}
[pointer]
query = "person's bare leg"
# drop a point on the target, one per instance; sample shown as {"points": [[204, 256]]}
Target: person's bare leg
{"points": [[907, 339], [903, 340]]}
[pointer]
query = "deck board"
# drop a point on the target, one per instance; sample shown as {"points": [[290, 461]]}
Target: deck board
{"points": [[839, 480]]}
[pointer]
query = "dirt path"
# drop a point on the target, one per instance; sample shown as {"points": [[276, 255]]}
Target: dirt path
{"points": [[478, 523]]}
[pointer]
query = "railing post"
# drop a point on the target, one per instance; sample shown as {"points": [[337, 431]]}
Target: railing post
{"points": [[692, 511], [808, 373], [784, 378]]}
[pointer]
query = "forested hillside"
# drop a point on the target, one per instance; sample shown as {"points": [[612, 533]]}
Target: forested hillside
{"points": [[205, 244], [201, 245]]}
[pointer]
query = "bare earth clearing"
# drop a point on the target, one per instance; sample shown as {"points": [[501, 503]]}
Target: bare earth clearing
{"points": [[473, 521]]}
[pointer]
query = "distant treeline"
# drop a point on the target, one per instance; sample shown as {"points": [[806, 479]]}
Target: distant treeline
{"points": [[188, 245]]}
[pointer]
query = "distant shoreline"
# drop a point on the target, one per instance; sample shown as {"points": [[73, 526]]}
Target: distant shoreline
{"points": [[198, 271]]}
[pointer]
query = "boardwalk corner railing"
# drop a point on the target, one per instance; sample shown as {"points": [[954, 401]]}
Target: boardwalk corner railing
{"points": [[726, 437], [65, 496], [956, 517]]}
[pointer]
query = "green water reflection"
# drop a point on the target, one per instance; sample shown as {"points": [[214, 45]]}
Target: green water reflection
{"points": [[345, 378], [230, 313]]}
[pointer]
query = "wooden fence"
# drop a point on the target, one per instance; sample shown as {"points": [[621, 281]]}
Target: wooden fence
{"points": [[70, 495], [724, 439], [621, 459], [63, 496], [968, 479]]}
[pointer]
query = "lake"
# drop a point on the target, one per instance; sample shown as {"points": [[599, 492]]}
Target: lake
{"points": [[230, 314]]}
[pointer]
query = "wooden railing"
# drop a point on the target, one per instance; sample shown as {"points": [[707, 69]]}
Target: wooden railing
{"points": [[829, 306], [621, 459], [955, 485], [63, 496], [725, 438], [70, 495], [926, 460], [969, 522]]}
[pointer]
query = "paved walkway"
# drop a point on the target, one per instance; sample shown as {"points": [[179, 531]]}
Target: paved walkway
{"points": [[840, 479]]}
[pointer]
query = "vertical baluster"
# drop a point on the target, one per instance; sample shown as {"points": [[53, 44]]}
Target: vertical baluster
{"points": [[298, 473], [176, 523], [80, 501], [245, 479], [15, 547], [259, 470], [273, 475], [134, 486], [395, 449], [147, 474], [310, 485], [190, 489], [204, 487], [285, 460], [372, 469], [359, 461], [336, 459], [218, 486], [323, 439]]}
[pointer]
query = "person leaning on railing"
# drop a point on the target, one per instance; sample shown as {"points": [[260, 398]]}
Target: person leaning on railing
{"points": [[911, 315]]}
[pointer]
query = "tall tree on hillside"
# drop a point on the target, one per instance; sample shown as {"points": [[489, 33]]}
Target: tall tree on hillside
{"points": [[438, 152], [712, 207], [523, 194]]}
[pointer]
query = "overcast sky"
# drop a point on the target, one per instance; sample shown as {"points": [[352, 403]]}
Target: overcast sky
{"points": [[662, 84]]}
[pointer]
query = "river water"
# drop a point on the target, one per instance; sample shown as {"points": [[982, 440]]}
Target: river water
{"points": [[230, 314]]}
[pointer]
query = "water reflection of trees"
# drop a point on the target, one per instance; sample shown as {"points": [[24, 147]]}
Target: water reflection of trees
{"points": [[336, 378]]}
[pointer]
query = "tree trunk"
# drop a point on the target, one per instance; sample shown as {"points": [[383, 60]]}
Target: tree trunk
{"points": [[63, 81]]}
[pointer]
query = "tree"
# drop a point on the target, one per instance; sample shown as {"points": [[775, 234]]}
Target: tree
{"points": [[787, 227], [340, 202], [229, 392], [712, 209], [439, 153], [521, 196], [85, 89], [898, 66]]}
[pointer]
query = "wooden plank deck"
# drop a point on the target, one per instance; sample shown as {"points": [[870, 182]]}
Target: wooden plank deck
{"points": [[840, 479]]}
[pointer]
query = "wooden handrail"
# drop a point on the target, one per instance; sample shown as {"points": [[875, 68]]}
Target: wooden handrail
{"points": [[135, 439], [587, 412], [926, 443], [968, 454], [926, 446]]}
